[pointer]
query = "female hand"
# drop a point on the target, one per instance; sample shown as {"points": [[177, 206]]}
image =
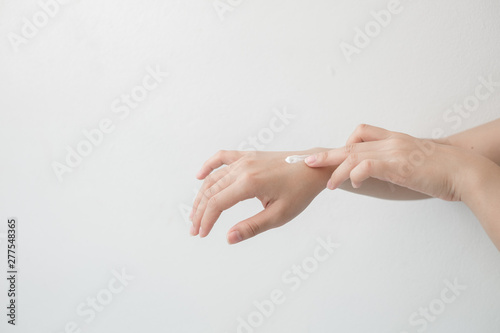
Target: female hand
{"points": [[425, 166], [285, 190]]}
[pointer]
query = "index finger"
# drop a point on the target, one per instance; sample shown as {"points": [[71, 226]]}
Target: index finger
{"points": [[338, 155], [227, 198], [220, 158]]}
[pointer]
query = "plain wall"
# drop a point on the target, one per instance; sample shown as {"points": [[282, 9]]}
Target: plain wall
{"points": [[124, 205]]}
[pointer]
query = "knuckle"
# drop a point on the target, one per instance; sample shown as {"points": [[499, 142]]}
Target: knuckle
{"points": [[323, 156], [361, 128], [209, 179], [212, 202], [221, 153], [396, 142], [244, 178], [350, 148], [224, 181], [352, 159], [230, 178], [245, 162], [251, 155], [367, 166], [209, 192], [248, 178], [253, 227]]}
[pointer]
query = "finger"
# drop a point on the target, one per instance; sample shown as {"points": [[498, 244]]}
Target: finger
{"points": [[342, 173], [382, 170], [220, 202], [207, 196], [338, 155], [222, 157], [209, 181], [209, 188], [269, 218], [364, 133]]}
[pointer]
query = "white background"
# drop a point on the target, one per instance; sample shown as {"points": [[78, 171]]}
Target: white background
{"points": [[123, 206]]}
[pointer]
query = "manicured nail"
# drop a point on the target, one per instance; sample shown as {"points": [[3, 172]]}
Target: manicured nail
{"points": [[191, 215], [201, 232], [234, 237], [191, 230], [198, 175], [330, 185], [311, 159]]}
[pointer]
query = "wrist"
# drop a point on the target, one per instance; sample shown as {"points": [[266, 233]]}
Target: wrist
{"points": [[477, 177], [445, 141], [322, 174], [481, 196]]}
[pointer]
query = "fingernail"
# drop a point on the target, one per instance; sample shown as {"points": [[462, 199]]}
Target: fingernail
{"points": [[234, 237], [191, 230], [201, 232], [191, 215], [311, 159], [330, 185]]}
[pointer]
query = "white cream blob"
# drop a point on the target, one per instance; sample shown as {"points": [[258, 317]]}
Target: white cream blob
{"points": [[296, 158]]}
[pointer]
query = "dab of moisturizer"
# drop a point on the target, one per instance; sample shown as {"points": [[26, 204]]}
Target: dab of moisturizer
{"points": [[296, 158]]}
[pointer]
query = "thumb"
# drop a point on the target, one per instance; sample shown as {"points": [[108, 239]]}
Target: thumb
{"points": [[267, 219]]}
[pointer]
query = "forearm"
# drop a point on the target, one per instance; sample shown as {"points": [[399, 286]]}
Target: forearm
{"points": [[482, 196], [484, 140], [384, 190]]}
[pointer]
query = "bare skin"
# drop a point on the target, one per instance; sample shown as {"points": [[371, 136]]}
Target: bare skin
{"points": [[464, 167], [284, 190]]}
